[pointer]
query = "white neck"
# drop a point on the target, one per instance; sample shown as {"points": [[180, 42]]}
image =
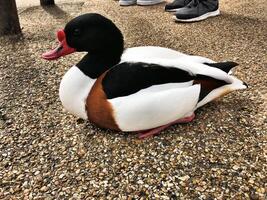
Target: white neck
{"points": [[73, 91]]}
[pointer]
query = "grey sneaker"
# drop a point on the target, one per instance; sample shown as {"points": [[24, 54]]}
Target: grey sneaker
{"points": [[148, 2], [197, 10], [176, 4], [127, 2]]}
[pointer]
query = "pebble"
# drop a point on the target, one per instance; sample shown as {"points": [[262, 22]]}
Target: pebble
{"points": [[44, 189], [184, 178]]}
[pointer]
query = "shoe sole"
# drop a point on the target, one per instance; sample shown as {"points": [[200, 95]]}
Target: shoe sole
{"points": [[148, 3], [200, 18], [126, 3], [172, 10]]}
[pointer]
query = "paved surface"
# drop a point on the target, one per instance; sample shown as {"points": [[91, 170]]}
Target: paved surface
{"points": [[46, 153]]}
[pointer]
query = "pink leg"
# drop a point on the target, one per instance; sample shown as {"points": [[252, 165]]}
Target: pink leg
{"points": [[155, 131]]}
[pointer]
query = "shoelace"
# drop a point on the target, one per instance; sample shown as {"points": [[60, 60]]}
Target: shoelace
{"points": [[193, 3]]}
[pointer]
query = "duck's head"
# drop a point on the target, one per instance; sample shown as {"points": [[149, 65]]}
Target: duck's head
{"points": [[92, 33]]}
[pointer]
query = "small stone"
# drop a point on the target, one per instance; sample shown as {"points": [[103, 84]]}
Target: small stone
{"points": [[31, 195], [261, 190], [25, 184], [26, 191], [251, 181], [61, 176], [165, 197], [235, 167], [39, 178], [81, 151], [36, 173], [44, 189], [184, 178], [201, 189]]}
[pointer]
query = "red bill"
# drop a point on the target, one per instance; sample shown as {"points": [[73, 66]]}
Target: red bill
{"points": [[62, 50]]}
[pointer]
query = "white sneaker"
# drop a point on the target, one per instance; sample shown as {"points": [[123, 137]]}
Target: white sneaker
{"points": [[148, 2], [127, 2]]}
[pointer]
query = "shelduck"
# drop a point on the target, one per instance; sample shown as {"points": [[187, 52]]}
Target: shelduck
{"points": [[141, 89]]}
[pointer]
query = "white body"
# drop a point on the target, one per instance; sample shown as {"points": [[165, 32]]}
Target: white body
{"points": [[73, 91], [154, 106]]}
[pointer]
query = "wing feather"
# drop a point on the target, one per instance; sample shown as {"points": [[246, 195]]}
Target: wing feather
{"points": [[145, 109]]}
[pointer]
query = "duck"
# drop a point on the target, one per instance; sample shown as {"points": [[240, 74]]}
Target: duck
{"points": [[141, 89]]}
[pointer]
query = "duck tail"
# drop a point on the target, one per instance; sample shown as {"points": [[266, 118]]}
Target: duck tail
{"points": [[224, 66], [237, 84], [220, 91]]}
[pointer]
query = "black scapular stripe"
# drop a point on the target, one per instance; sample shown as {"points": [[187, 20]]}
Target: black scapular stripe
{"points": [[128, 78], [224, 66]]}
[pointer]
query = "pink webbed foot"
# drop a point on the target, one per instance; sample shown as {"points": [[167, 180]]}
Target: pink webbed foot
{"points": [[185, 120], [155, 131]]}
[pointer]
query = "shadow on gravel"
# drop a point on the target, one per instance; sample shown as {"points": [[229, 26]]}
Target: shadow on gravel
{"points": [[241, 19], [56, 12]]}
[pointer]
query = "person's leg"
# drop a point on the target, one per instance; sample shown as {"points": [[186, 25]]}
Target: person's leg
{"points": [[127, 2], [148, 2], [176, 4], [197, 10]]}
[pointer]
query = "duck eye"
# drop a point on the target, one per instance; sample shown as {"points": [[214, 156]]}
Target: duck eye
{"points": [[76, 32]]}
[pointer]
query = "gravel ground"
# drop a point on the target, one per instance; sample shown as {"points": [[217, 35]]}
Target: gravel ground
{"points": [[46, 153]]}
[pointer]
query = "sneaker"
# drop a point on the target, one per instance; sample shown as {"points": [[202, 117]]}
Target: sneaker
{"points": [[127, 2], [197, 10], [176, 4], [148, 2]]}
